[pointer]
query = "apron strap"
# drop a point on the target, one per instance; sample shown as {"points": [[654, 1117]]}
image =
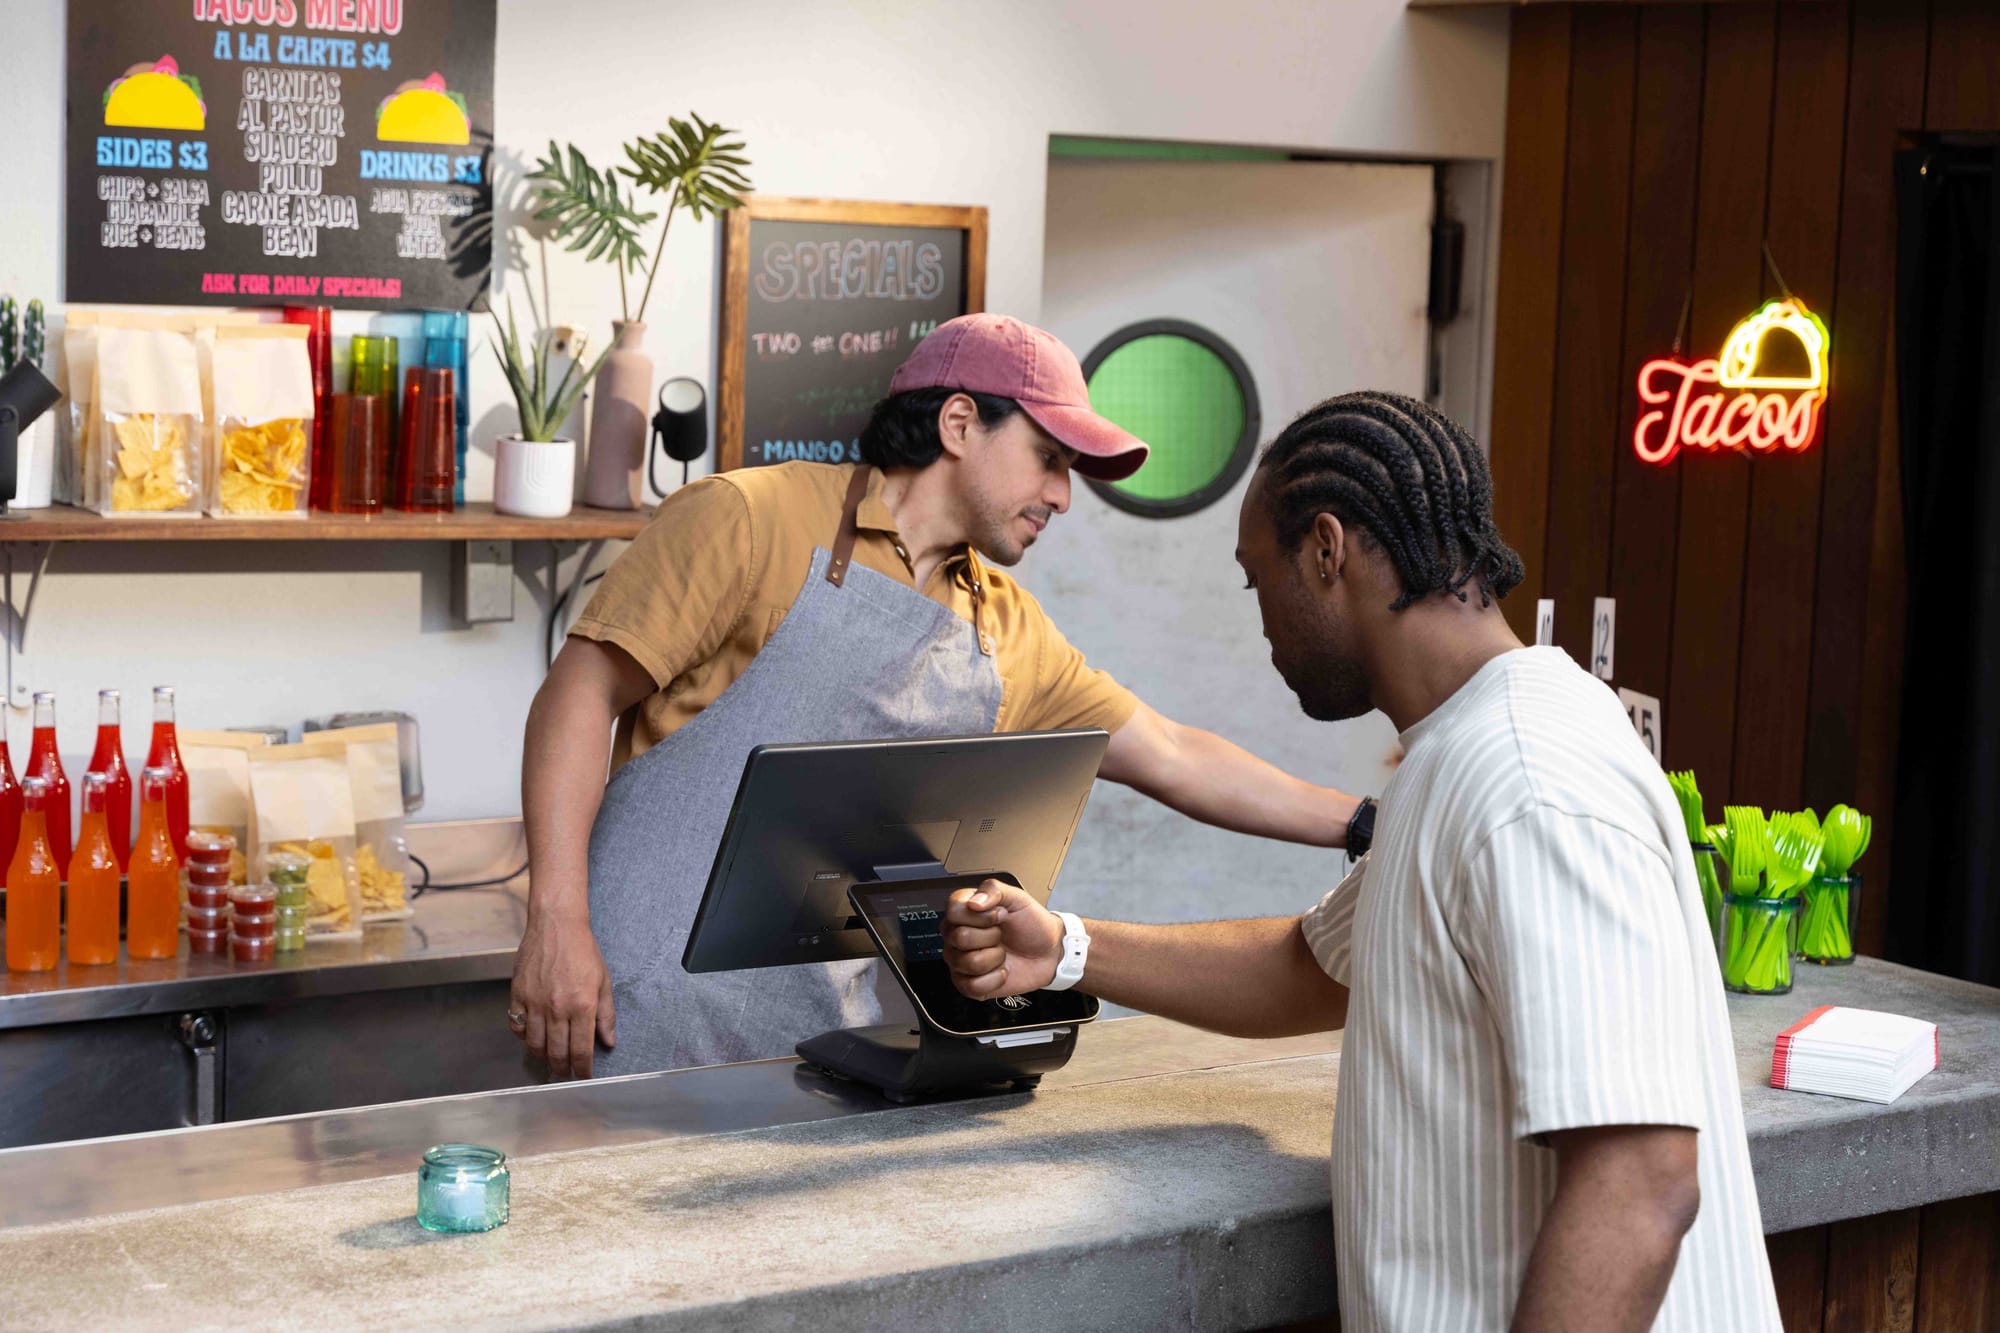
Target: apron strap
{"points": [[975, 582], [843, 541], [843, 554]]}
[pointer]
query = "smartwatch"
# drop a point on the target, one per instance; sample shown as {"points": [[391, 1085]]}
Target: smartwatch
{"points": [[1361, 829], [1075, 948]]}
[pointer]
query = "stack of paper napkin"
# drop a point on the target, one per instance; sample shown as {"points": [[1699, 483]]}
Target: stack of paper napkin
{"points": [[1858, 1053]]}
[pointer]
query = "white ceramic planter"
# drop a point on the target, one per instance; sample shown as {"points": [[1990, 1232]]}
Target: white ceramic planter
{"points": [[534, 478], [35, 464]]}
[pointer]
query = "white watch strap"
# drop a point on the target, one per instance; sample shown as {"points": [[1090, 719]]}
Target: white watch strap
{"points": [[1075, 949]]}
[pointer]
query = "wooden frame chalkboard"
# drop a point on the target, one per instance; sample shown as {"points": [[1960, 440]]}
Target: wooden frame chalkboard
{"points": [[830, 364]]}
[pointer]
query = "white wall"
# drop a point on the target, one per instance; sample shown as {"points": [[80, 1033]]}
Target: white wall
{"points": [[1316, 274], [922, 100]]}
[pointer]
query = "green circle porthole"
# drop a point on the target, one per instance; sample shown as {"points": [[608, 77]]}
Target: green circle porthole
{"points": [[1185, 392]]}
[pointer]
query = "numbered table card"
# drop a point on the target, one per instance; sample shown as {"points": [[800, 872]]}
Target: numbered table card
{"points": [[1603, 630], [1644, 710]]}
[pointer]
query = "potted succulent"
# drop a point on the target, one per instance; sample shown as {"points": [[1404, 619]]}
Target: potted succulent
{"points": [[696, 166], [534, 472]]}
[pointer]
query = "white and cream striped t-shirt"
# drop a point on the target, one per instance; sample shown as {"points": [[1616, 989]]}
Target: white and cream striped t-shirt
{"points": [[1527, 952]]}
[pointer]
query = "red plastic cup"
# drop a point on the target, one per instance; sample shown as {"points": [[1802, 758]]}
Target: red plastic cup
{"points": [[358, 445], [319, 350], [427, 462]]}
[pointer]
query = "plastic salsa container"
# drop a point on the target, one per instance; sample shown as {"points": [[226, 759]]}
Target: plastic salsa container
{"points": [[254, 899], [212, 876], [206, 896], [251, 950], [208, 941], [200, 917], [254, 927], [209, 849], [286, 870]]}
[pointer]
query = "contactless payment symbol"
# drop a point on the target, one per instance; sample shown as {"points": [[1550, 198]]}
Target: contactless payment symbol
{"points": [[1769, 385], [1016, 1002], [155, 95]]}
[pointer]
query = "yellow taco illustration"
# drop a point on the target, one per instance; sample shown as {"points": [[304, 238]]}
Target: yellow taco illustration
{"points": [[1749, 361], [423, 111], [156, 96]]}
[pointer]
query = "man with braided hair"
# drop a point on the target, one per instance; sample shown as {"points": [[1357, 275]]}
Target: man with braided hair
{"points": [[1540, 1123]]}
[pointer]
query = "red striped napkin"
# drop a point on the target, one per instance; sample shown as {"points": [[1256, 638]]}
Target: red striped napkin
{"points": [[1859, 1053]]}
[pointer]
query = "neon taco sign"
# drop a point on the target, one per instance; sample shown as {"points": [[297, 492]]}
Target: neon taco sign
{"points": [[1739, 400]]}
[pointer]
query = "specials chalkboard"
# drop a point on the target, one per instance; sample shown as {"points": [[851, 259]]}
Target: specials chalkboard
{"points": [[261, 152], [821, 301]]}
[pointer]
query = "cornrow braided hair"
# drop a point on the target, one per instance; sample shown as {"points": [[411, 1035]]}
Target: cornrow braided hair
{"points": [[1405, 473]]}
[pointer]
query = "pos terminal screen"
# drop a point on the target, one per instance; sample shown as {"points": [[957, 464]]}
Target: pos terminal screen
{"points": [[908, 924]]}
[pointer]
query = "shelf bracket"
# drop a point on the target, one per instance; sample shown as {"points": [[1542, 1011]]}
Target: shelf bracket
{"points": [[482, 582], [26, 563], [560, 595]]}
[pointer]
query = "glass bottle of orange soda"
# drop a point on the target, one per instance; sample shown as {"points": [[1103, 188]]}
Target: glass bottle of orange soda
{"points": [[109, 759], [153, 908], [46, 763], [93, 878], [10, 808], [166, 756], [34, 888]]}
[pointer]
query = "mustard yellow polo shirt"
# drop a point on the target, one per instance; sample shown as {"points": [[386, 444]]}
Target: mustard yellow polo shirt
{"points": [[708, 581]]}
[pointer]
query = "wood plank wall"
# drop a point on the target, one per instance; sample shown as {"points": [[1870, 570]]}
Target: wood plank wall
{"points": [[1651, 150], [1934, 1269]]}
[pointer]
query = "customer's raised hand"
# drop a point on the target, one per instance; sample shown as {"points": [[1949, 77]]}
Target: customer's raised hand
{"points": [[999, 941]]}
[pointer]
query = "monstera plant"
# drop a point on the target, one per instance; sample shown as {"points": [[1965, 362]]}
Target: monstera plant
{"points": [[693, 164]]}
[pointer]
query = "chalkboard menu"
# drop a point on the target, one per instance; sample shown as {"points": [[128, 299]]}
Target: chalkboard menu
{"points": [[259, 152], [821, 301]]}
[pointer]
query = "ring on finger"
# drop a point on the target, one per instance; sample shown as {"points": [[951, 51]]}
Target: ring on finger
{"points": [[517, 1019]]}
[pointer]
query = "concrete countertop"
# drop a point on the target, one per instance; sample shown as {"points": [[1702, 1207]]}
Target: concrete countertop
{"points": [[1115, 1197], [1821, 1159], [1148, 1196]]}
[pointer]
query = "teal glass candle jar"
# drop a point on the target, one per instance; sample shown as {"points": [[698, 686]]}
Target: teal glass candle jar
{"points": [[462, 1187]]}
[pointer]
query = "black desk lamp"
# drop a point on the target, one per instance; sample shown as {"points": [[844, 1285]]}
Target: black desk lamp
{"points": [[680, 428], [25, 393]]}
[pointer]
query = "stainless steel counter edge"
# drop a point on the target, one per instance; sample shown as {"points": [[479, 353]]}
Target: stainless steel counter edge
{"points": [[452, 937], [249, 984]]}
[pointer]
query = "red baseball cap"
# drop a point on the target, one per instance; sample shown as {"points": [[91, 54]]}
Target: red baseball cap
{"points": [[998, 355]]}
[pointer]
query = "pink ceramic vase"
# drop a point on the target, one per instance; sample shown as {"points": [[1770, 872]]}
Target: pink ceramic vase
{"points": [[620, 406]]}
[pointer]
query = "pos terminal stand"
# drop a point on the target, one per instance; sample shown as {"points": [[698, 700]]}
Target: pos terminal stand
{"points": [[958, 1044], [848, 849]]}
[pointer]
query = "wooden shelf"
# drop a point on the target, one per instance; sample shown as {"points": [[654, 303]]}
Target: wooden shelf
{"points": [[478, 522]]}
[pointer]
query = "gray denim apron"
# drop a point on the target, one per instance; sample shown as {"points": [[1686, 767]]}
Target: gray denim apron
{"points": [[858, 657]]}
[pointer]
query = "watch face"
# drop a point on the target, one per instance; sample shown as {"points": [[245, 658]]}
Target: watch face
{"points": [[907, 922]]}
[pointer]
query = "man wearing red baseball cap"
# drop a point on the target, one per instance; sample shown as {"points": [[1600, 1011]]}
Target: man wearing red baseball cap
{"points": [[822, 602]]}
